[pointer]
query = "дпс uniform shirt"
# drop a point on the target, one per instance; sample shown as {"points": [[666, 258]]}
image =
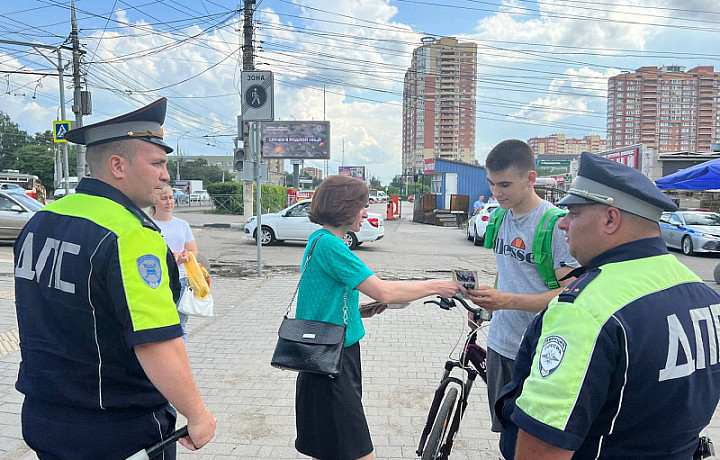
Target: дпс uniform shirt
{"points": [[623, 364], [93, 278]]}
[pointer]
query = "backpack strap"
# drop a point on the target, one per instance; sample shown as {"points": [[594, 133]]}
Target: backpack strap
{"points": [[491, 231], [542, 246]]}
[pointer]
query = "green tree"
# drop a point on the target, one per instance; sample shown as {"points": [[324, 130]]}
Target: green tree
{"points": [[375, 183], [37, 160], [397, 182], [11, 138], [195, 170]]}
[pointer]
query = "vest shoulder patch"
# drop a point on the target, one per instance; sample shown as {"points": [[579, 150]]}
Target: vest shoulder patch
{"points": [[150, 270]]}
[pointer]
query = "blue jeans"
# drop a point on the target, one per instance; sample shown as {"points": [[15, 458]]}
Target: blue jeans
{"points": [[183, 316]]}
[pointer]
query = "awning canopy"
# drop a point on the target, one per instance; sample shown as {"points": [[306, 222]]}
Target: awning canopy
{"points": [[703, 176]]}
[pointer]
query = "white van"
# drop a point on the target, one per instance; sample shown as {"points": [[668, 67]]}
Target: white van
{"points": [[60, 190]]}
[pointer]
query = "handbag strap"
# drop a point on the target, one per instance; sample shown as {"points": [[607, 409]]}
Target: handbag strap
{"points": [[302, 272]]}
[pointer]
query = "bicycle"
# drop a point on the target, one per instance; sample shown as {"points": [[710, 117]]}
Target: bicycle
{"points": [[443, 421], [157, 449]]}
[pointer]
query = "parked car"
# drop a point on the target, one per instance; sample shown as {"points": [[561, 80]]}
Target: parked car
{"points": [[12, 188], [478, 223], [691, 231], [180, 196], [292, 223], [15, 210], [200, 196]]}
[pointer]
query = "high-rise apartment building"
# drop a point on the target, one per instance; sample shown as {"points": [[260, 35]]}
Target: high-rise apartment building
{"points": [[665, 108], [559, 144], [439, 101]]}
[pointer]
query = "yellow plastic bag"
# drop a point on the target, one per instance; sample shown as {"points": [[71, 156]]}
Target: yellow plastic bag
{"points": [[196, 277]]}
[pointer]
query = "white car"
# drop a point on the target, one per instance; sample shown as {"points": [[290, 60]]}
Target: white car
{"points": [[292, 223], [200, 196], [478, 223]]}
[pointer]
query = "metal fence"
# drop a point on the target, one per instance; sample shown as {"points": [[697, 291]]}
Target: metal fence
{"points": [[233, 203]]}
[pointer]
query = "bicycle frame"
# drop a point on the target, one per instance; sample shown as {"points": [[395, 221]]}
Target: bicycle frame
{"points": [[474, 356]]}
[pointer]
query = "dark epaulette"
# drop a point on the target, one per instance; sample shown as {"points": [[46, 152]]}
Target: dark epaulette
{"points": [[570, 293]]}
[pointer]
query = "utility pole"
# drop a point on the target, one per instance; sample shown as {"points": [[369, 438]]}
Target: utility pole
{"points": [[77, 94], [60, 68], [248, 63]]}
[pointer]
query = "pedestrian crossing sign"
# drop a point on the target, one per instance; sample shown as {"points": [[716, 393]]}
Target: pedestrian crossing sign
{"points": [[59, 130]]}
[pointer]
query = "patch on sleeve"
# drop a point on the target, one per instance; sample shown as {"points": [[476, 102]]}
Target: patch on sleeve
{"points": [[551, 354], [150, 270]]}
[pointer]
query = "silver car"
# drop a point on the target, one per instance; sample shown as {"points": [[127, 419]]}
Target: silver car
{"points": [[691, 231], [15, 210]]}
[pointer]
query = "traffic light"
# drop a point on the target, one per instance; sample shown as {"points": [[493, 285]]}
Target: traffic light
{"points": [[568, 177], [238, 158], [415, 178]]}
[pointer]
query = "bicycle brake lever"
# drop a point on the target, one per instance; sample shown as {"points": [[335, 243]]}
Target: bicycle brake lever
{"points": [[432, 301], [444, 302]]}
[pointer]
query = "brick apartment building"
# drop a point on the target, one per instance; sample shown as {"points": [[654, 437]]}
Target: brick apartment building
{"points": [[665, 108], [559, 144], [439, 101]]}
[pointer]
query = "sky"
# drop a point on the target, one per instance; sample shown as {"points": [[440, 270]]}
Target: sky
{"points": [[543, 65]]}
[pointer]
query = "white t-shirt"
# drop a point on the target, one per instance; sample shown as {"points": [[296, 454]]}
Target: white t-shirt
{"points": [[176, 233]]}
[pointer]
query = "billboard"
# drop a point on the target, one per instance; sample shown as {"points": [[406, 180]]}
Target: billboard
{"points": [[352, 171], [296, 139], [627, 156], [428, 166]]}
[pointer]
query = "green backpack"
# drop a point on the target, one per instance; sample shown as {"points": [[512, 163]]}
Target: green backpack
{"points": [[542, 242]]}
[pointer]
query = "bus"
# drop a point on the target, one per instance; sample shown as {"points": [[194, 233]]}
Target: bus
{"points": [[26, 181]]}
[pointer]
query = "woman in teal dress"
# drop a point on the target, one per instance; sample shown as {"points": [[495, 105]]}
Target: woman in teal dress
{"points": [[330, 419]]}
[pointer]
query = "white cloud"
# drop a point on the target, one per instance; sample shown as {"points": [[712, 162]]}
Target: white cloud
{"points": [[558, 24], [570, 95]]}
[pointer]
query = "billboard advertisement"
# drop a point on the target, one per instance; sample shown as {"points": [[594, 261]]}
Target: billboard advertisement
{"points": [[296, 139], [352, 171], [627, 156], [428, 166]]}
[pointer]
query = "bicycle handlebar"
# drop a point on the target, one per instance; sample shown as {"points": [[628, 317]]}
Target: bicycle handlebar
{"points": [[446, 303]]}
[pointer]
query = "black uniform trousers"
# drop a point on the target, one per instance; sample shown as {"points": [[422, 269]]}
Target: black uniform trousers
{"points": [[62, 433]]}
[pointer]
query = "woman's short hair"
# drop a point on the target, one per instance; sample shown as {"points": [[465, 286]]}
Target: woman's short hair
{"points": [[337, 200], [167, 188]]}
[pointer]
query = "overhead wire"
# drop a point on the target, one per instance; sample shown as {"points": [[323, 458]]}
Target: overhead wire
{"points": [[382, 72]]}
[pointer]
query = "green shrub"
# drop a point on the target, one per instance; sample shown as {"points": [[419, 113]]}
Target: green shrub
{"points": [[225, 188], [228, 197]]}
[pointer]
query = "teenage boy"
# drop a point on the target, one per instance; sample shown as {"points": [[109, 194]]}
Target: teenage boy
{"points": [[520, 291]]}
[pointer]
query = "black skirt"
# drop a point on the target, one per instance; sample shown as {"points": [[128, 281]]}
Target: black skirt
{"points": [[329, 415]]}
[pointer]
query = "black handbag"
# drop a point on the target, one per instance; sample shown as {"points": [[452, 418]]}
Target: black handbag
{"points": [[310, 346]]}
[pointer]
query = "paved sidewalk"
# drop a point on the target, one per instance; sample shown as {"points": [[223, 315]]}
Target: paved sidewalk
{"points": [[403, 355]]}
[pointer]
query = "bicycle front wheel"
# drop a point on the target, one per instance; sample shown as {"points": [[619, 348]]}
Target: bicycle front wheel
{"points": [[440, 427]]}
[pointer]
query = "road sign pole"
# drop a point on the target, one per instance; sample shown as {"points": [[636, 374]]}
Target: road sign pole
{"points": [[255, 150], [66, 166]]}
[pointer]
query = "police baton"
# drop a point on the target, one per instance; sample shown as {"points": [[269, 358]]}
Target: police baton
{"points": [[157, 449]]}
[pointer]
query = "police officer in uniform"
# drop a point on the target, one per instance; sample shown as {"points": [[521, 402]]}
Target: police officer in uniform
{"points": [[95, 287], [624, 363]]}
